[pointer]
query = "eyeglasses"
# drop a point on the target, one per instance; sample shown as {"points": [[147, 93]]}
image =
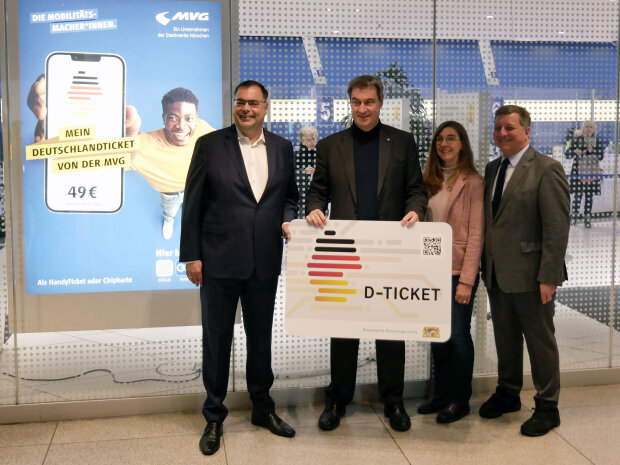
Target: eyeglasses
{"points": [[252, 103], [447, 140]]}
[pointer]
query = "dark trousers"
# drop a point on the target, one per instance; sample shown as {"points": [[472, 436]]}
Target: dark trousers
{"points": [[390, 370], [218, 298], [515, 317], [587, 205], [453, 360]]}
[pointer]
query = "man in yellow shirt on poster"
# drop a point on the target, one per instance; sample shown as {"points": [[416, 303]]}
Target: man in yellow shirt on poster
{"points": [[163, 156]]}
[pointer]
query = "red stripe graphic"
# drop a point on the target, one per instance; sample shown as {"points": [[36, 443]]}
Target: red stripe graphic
{"points": [[343, 266], [84, 93], [334, 274]]}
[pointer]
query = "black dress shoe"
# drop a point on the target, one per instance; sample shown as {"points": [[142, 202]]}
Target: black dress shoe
{"points": [[273, 423], [453, 412], [399, 420], [541, 422], [432, 406], [498, 404], [210, 440], [330, 418]]}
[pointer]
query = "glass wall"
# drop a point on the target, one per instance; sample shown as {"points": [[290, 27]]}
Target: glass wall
{"points": [[439, 61]]}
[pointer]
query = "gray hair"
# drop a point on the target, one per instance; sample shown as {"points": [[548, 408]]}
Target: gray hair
{"points": [[308, 132], [583, 125]]}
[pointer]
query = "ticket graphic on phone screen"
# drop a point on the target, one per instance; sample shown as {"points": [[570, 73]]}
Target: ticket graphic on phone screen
{"points": [[85, 89]]}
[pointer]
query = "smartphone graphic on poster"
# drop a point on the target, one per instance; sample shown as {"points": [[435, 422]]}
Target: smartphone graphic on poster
{"points": [[85, 89]]}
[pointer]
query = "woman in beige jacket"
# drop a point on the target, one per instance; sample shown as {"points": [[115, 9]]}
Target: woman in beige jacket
{"points": [[456, 193]]}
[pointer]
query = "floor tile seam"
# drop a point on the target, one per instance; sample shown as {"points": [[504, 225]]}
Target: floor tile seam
{"points": [[37, 444], [572, 446], [589, 406], [250, 428], [305, 427], [573, 337], [129, 416], [587, 365], [49, 445], [583, 350], [137, 438], [224, 451], [391, 435], [565, 340]]}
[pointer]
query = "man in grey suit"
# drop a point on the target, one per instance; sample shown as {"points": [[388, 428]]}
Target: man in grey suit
{"points": [[527, 223], [368, 172]]}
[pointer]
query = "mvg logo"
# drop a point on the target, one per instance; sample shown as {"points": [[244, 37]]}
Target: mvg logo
{"points": [[182, 16]]}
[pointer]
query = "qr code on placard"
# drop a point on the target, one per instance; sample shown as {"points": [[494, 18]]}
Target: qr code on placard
{"points": [[431, 245]]}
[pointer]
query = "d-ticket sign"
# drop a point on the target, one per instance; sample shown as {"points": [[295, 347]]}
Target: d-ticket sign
{"points": [[369, 279]]}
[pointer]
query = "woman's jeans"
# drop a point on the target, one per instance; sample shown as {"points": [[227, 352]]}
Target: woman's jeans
{"points": [[454, 359]]}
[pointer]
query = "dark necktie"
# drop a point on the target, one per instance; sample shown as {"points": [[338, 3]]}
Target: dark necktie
{"points": [[499, 186]]}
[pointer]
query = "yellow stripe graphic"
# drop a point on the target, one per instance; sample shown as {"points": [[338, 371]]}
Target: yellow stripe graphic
{"points": [[328, 290], [330, 299], [329, 281]]}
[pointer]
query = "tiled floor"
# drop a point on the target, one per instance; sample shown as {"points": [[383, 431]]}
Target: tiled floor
{"points": [[588, 435]]}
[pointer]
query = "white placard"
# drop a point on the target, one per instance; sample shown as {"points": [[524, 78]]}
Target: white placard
{"points": [[369, 279]]}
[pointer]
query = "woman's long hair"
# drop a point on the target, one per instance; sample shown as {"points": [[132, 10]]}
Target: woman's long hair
{"points": [[433, 175]]}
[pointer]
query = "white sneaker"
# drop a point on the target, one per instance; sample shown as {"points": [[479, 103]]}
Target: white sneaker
{"points": [[168, 228]]}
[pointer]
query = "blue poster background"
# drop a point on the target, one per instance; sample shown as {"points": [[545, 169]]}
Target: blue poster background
{"points": [[122, 249]]}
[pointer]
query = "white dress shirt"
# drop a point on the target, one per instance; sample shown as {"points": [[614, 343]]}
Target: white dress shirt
{"points": [[255, 161], [512, 164]]}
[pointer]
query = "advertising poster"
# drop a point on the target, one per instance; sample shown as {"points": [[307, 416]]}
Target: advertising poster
{"points": [[114, 95]]}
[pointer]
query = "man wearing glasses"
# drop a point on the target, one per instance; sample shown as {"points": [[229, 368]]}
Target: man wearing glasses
{"points": [[240, 196]]}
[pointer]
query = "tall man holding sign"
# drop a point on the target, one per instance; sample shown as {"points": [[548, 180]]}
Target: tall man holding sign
{"points": [[368, 172]]}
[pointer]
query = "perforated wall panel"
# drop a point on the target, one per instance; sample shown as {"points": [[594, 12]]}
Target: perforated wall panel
{"points": [[490, 19], [557, 58]]}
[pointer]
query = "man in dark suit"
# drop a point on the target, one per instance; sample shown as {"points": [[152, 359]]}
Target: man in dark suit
{"points": [[240, 195], [526, 233], [368, 172]]}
